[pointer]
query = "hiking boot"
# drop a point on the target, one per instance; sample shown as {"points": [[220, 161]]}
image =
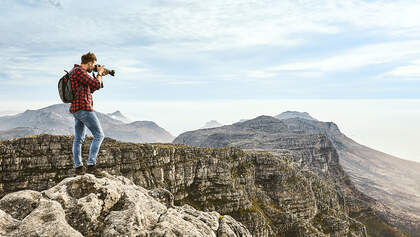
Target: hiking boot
{"points": [[91, 169], [81, 170]]}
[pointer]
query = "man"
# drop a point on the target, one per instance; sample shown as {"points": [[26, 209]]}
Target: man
{"points": [[82, 109]]}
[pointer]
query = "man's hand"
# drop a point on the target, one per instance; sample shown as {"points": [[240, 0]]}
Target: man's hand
{"points": [[101, 70]]}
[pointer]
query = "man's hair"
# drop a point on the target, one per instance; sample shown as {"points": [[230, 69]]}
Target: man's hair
{"points": [[89, 57]]}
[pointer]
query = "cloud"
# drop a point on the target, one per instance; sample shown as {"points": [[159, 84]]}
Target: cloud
{"points": [[355, 58], [410, 71], [55, 3], [192, 25], [248, 40], [187, 82]]}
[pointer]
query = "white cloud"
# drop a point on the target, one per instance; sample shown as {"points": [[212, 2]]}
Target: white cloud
{"points": [[201, 25], [355, 58], [187, 82], [259, 74], [182, 29], [407, 71], [411, 71], [345, 61]]}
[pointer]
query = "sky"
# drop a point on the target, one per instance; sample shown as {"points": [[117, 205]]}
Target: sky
{"points": [[181, 63]]}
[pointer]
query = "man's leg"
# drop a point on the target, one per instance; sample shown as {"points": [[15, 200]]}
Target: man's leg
{"points": [[79, 138], [92, 122]]}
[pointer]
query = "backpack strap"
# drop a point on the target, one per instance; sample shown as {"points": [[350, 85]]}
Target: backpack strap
{"points": [[68, 73]]}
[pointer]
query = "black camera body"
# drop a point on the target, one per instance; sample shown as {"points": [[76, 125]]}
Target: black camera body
{"points": [[110, 72]]}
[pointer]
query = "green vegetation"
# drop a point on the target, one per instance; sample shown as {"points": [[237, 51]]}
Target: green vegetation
{"points": [[375, 226]]}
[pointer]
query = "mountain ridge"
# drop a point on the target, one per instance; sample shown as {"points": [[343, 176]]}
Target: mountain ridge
{"points": [[56, 119], [267, 133]]}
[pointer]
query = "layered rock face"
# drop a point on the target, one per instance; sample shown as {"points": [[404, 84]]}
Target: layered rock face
{"points": [[263, 191], [110, 206]]}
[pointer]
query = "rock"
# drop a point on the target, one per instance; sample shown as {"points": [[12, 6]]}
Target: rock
{"points": [[112, 206], [229, 227], [270, 194], [163, 195], [20, 204]]}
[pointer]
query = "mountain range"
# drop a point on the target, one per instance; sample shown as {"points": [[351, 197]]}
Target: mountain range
{"points": [[56, 119]]}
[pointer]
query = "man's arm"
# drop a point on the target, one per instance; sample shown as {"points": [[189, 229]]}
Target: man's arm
{"points": [[101, 72], [86, 80]]}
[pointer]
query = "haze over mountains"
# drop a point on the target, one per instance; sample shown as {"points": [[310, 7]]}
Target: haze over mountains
{"points": [[8, 112], [390, 180], [56, 119]]}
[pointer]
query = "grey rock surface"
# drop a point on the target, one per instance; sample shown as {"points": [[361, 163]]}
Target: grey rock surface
{"points": [[112, 206]]}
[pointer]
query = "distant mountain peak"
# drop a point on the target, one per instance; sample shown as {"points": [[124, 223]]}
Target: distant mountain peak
{"points": [[261, 122], [212, 124], [263, 118], [119, 116], [144, 123], [294, 114], [117, 113]]}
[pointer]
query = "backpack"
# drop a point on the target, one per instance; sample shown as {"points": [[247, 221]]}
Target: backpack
{"points": [[65, 89]]}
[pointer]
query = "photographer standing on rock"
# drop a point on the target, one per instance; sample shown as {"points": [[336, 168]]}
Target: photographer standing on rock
{"points": [[82, 109]]}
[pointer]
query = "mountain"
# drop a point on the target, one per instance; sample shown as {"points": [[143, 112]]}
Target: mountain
{"points": [[387, 178], [111, 206], [295, 136], [119, 116], [294, 114], [212, 124], [56, 119], [267, 193]]}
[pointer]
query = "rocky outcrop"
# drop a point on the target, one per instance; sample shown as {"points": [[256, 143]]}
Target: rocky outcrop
{"points": [[110, 206], [265, 192]]}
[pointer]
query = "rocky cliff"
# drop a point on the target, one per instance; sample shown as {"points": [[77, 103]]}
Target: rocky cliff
{"points": [[263, 191], [110, 206], [308, 147]]}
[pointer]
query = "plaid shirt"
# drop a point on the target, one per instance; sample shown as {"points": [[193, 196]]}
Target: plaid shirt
{"points": [[87, 84]]}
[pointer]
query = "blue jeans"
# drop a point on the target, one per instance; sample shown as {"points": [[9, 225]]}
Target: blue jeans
{"points": [[83, 119]]}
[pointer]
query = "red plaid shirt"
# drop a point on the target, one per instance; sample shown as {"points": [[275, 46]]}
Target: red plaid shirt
{"points": [[87, 84]]}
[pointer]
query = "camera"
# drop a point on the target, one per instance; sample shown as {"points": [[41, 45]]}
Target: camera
{"points": [[107, 71]]}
